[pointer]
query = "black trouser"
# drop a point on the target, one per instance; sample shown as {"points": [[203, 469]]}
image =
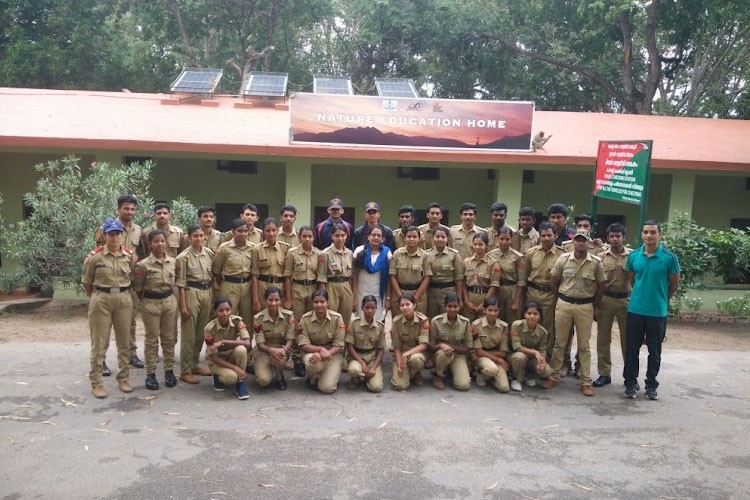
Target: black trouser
{"points": [[651, 331]]}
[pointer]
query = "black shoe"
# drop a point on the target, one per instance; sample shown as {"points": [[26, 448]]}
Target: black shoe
{"points": [[136, 362], [602, 381], [151, 383], [106, 372], [312, 385], [299, 370], [242, 392], [169, 379], [250, 370], [651, 393], [637, 386], [218, 385], [281, 384], [630, 392]]}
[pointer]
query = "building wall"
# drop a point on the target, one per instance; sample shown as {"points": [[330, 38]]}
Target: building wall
{"points": [[717, 199]]}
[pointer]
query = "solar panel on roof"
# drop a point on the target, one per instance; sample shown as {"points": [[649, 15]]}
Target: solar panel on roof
{"points": [[395, 87], [332, 85], [266, 84], [197, 80]]}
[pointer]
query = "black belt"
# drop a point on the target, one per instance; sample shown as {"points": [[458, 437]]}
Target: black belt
{"points": [[477, 289], [505, 282], [338, 279], [617, 295], [541, 288], [235, 279], [113, 289], [157, 295], [198, 285], [270, 279], [364, 351], [408, 287], [574, 300], [304, 282], [447, 284]]}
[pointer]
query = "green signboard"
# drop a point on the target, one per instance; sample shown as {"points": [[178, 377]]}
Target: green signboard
{"points": [[622, 170]]}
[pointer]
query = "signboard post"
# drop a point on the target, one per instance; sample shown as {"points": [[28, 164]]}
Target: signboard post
{"points": [[623, 173]]}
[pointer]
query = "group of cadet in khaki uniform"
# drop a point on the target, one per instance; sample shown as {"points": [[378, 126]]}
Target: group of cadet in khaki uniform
{"points": [[499, 305]]}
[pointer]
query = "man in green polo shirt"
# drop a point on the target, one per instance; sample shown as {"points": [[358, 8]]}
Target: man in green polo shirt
{"points": [[654, 273]]}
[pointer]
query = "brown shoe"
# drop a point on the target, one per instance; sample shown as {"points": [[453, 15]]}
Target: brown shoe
{"points": [[587, 390], [418, 379], [189, 378], [353, 383], [437, 382], [99, 392], [125, 386], [202, 371], [550, 383]]}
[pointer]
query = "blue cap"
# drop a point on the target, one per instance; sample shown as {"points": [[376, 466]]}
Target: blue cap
{"points": [[112, 225]]}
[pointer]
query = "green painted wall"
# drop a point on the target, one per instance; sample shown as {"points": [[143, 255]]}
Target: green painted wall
{"points": [[717, 199]]}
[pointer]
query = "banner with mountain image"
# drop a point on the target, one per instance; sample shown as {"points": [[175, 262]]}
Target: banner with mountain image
{"points": [[411, 123]]}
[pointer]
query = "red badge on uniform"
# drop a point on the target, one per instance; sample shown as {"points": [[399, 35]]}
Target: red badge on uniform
{"points": [[257, 327], [321, 259], [425, 326], [473, 332], [497, 269]]}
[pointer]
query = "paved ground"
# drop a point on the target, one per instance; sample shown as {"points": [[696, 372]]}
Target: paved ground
{"points": [[191, 442]]}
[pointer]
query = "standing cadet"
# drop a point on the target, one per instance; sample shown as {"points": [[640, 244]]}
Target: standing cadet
{"points": [[249, 214], [321, 337], [577, 279], [174, 235], [410, 271], [268, 263], [462, 235], [434, 216], [491, 346], [557, 215], [499, 214], [324, 230], [106, 278], [212, 237], [614, 302], [231, 268], [451, 344], [301, 280], [287, 231], [584, 222], [365, 344], [405, 221], [194, 277], [512, 275], [372, 220], [274, 335], [154, 284], [529, 342], [482, 277], [410, 333], [227, 343], [335, 274], [539, 262], [527, 235], [447, 272]]}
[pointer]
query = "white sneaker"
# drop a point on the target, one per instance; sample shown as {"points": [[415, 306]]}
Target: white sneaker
{"points": [[516, 385], [480, 380], [531, 382]]}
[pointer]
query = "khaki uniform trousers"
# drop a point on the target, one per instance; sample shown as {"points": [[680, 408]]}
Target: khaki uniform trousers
{"points": [[341, 300], [227, 376], [160, 323], [198, 304], [610, 309], [494, 372], [505, 296], [374, 384], [414, 365], [476, 299], [458, 366], [328, 372], [301, 303], [436, 300], [133, 345], [421, 303], [105, 311], [524, 367], [547, 302], [241, 296], [266, 368], [582, 317]]}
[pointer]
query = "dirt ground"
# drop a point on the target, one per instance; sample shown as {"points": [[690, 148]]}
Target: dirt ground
{"points": [[67, 323]]}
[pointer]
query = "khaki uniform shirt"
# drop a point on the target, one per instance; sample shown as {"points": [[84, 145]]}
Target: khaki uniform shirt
{"points": [[274, 333], [175, 239], [456, 334], [409, 269], [365, 336], [194, 266], [523, 242], [231, 260], [425, 241], [155, 276], [106, 269], [268, 259], [234, 330], [483, 272], [539, 263], [301, 265], [614, 270], [512, 265], [290, 239], [254, 235], [578, 280], [490, 338], [492, 236], [406, 334], [520, 335], [398, 237], [335, 264], [463, 240], [327, 333], [211, 242], [446, 265]]}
